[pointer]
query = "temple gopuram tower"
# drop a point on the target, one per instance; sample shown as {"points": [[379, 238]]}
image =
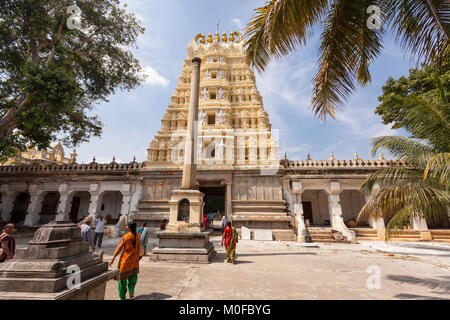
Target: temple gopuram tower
{"points": [[237, 152]]}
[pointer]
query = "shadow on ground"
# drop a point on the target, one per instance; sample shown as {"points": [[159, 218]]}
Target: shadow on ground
{"points": [[441, 284], [153, 296]]}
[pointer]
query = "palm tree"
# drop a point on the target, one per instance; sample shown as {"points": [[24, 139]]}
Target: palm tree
{"points": [[348, 45], [422, 186]]}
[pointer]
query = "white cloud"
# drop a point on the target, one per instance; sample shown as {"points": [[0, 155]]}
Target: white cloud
{"points": [[238, 23], [154, 78]]}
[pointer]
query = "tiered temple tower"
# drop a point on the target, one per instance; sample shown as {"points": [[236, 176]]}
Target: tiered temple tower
{"points": [[234, 128], [238, 167]]}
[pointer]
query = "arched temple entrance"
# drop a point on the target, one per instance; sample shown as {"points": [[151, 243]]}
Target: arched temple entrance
{"points": [[80, 206], [315, 207], [111, 206], [49, 207], [352, 202], [20, 207]]}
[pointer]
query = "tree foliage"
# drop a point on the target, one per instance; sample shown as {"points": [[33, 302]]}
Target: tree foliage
{"points": [[347, 45], [52, 75], [420, 104]]}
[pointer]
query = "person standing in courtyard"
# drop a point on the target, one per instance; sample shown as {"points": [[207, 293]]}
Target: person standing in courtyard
{"points": [[99, 231], [144, 232], [87, 235], [205, 221], [224, 222], [230, 235], [7, 243], [128, 249]]}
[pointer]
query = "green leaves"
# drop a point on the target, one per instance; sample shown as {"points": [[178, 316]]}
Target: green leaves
{"points": [[419, 105], [51, 76]]}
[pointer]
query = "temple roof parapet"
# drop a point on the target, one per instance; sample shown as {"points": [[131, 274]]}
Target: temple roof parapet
{"points": [[341, 164]]}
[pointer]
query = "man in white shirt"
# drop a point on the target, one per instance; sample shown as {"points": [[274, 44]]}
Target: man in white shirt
{"points": [[99, 231]]}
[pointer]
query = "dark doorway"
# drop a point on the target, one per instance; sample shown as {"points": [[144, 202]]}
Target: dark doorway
{"points": [[49, 207], [214, 200], [20, 207], [307, 212], [74, 209]]}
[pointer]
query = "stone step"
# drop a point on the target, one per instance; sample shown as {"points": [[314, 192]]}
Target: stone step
{"points": [[284, 235], [260, 208]]}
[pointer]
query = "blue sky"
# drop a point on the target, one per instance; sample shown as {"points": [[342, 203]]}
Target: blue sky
{"points": [[132, 118]]}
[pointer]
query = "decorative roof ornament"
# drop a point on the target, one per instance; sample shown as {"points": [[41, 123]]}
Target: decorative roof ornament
{"points": [[381, 157], [224, 37], [114, 160], [210, 40], [93, 160], [308, 157], [356, 156], [232, 38], [332, 158]]}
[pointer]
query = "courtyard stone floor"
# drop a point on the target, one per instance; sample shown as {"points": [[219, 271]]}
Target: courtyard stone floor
{"points": [[289, 270]]}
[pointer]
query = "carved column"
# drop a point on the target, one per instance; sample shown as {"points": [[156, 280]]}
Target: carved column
{"points": [[94, 204], [228, 200], [65, 203], [335, 210], [7, 205], [126, 199], [35, 206], [375, 223], [302, 232]]}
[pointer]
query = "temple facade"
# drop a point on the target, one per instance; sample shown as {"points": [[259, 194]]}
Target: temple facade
{"points": [[239, 167]]}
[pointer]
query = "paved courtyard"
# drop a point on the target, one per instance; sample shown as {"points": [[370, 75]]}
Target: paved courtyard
{"points": [[290, 270]]}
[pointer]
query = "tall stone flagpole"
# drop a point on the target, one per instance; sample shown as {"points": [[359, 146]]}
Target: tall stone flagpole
{"points": [[189, 180]]}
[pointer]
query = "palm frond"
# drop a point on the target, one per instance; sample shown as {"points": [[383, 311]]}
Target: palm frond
{"points": [[421, 26], [392, 177], [438, 169], [429, 201], [398, 221], [407, 149], [280, 27], [347, 48]]}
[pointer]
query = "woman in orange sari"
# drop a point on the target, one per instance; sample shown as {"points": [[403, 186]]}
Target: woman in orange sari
{"points": [[129, 261]]}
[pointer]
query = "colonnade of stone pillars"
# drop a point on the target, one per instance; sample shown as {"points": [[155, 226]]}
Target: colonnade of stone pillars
{"points": [[66, 192]]}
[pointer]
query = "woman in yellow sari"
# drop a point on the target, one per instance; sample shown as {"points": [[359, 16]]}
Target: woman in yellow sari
{"points": [[231, 236], [129, 261]]}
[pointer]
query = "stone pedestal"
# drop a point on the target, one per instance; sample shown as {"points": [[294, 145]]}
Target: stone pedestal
{"points": [[183, 240], [57, 265], [185, 247]]}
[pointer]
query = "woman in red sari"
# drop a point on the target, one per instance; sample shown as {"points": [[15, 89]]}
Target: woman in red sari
{"points": [[231, 236], [205, 221]]}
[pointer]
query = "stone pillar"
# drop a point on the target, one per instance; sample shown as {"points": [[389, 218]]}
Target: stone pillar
{"points": [[94, 204], [65, 203], [418, 222], [297, 189], [335, 210], [228, 200], [35, 206], [7, 204], [126, 199], [375, 223], [189, 181]]}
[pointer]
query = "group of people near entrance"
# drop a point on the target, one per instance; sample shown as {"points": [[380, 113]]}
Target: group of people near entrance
{"points": [[132, 247]]}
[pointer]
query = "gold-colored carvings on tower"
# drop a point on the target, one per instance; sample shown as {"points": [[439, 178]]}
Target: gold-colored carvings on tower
{"points": [[234, 128]]}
